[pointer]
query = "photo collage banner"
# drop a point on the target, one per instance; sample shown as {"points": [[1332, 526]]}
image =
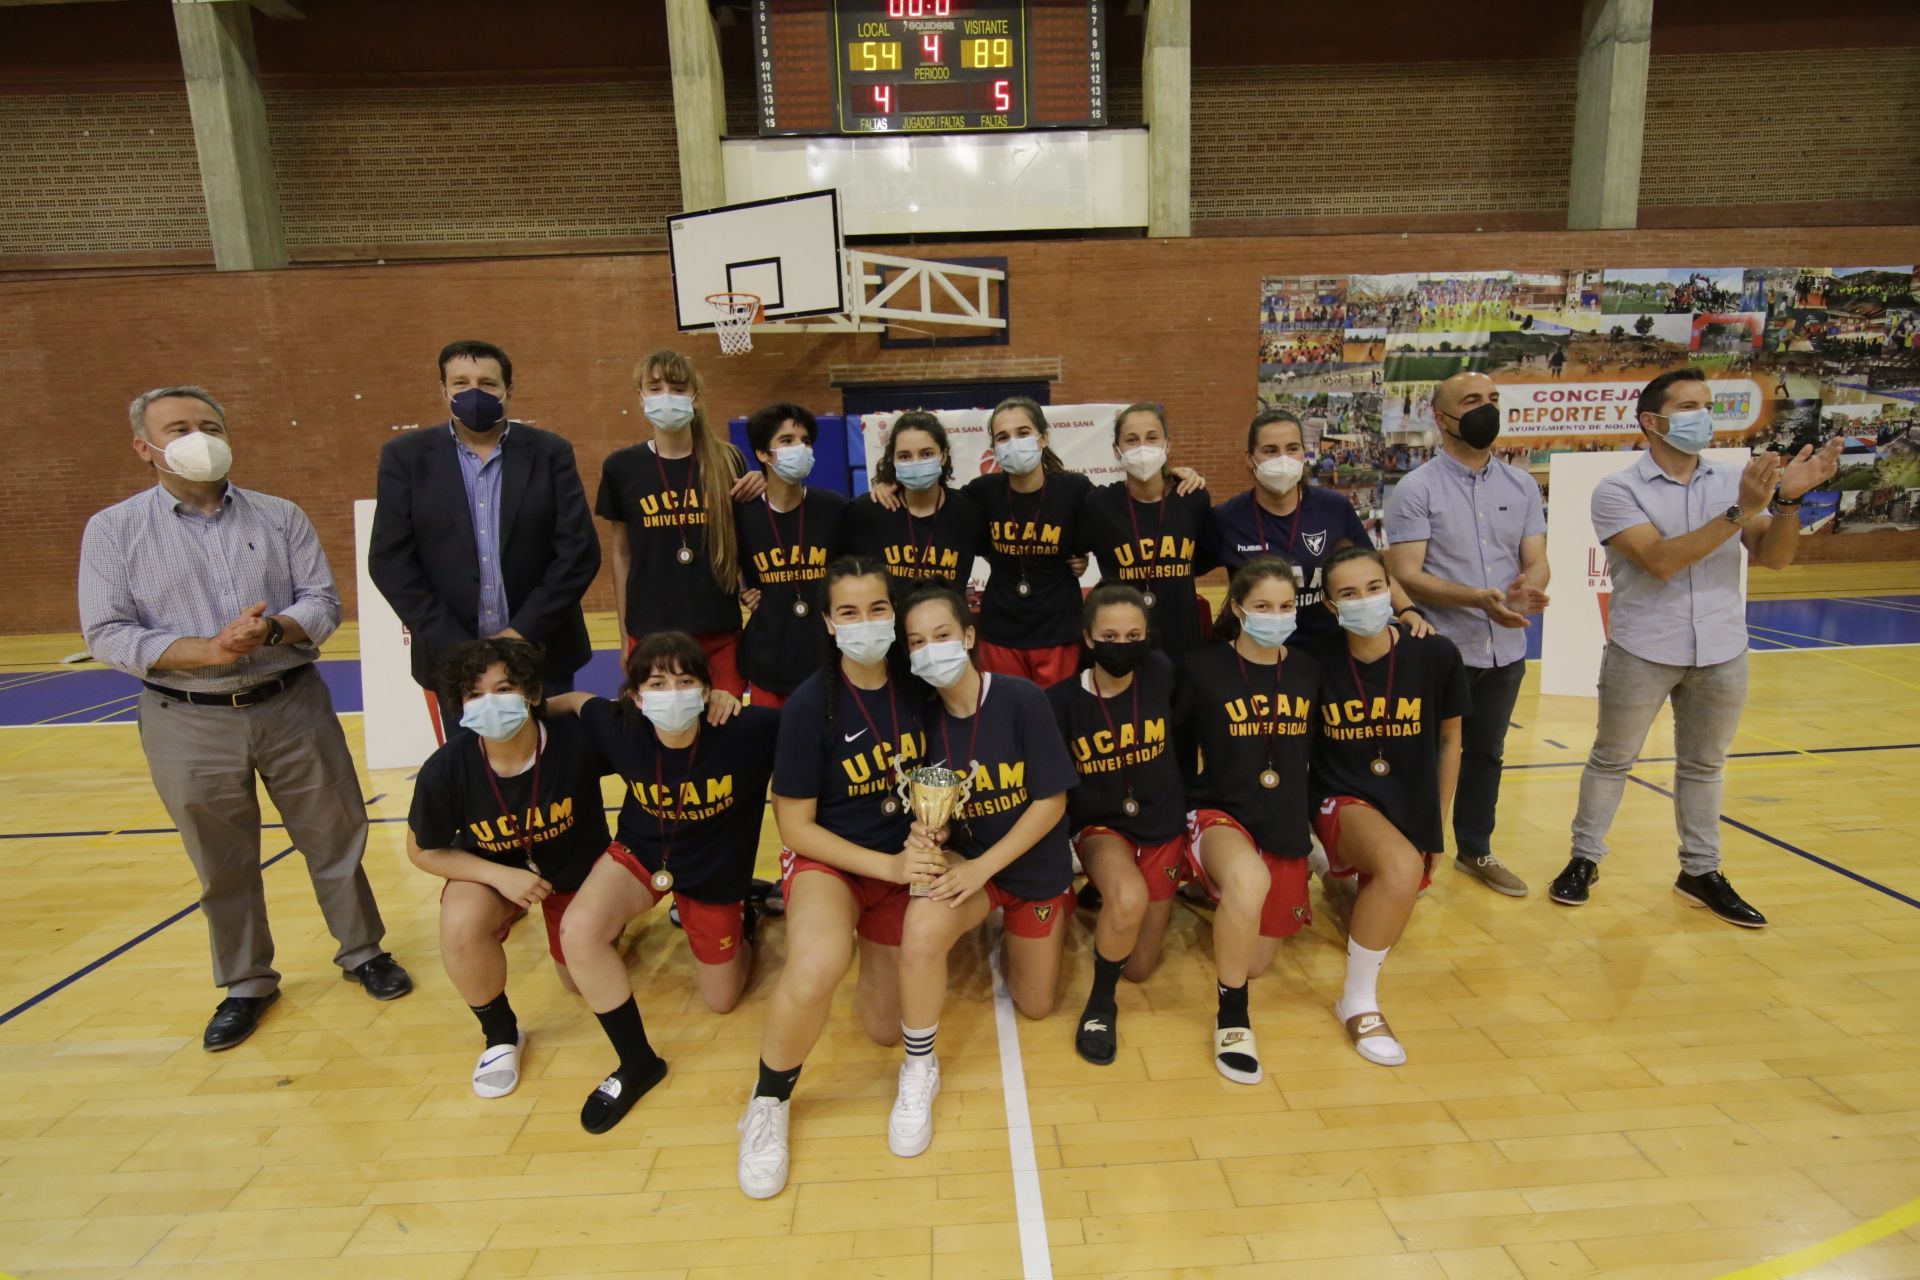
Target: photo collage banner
{"points": [[1795, 355]]}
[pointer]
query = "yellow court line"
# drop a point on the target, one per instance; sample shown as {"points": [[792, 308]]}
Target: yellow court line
{"points": [[1833, 655], [1812, 1256]]}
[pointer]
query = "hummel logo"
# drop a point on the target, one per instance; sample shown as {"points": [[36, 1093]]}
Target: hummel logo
{"points": [[851, 736], [1093, 1024]]}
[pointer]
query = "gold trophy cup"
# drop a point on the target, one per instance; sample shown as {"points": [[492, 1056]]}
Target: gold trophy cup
{"points": [[933, 795]]}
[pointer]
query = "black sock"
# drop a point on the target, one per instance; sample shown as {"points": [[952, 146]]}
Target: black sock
{"points": [[629, 1037], [1233, 1006], [776, 1084], [1106, 979], [497, 1022]]}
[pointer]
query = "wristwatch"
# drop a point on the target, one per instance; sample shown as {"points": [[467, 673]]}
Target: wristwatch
{"points": [[275, 632], [1779, 501], [1736, 517]]}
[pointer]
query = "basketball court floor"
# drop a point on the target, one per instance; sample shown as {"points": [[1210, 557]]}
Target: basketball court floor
{"points": [[1629, 1090]]}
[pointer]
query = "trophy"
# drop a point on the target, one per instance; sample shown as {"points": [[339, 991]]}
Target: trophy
{"points": [[933, 795]]}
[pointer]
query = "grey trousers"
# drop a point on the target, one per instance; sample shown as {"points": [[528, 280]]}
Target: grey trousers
{"points": [[204, 760], [1706, 710]]}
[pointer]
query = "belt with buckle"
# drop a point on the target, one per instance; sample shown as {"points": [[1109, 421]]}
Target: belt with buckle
{"points": [[239, 697]]}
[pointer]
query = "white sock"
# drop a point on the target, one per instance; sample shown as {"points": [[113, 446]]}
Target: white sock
{"points": [[1363, 980], [919, 1041]]}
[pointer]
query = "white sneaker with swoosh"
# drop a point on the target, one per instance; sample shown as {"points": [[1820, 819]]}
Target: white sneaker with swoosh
{"points": [[497, 1073]]}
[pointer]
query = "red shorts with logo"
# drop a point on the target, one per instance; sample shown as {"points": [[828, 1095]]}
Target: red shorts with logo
{"points": [[1026, 918], [1326, 825], [713, 929], [758, 697], [1286, 910], [1165, 866], [883, 905], [723, 660], [1047, 665]]}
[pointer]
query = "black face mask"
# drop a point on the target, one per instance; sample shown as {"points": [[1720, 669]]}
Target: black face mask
{"points": [[1479, 426], [1120, 657]]}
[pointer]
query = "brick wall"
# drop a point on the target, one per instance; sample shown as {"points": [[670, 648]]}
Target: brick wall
{"points": [[99, 173], [318, 365]]}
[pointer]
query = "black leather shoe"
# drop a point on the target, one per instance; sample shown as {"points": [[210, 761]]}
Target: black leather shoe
{"points": [[1714, 893], [1569, 888], [383, 978], [235, 1020]]}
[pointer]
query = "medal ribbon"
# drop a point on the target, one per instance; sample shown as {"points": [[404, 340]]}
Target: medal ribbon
{"points": [[693, 481], [679, 809], [1393, 654], [1125, 779], [524, 840], [1274, 724], [893, 713]]}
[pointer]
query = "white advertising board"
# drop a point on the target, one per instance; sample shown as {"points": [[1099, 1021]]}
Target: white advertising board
{"points": [[400, 719], [1582, 589]]}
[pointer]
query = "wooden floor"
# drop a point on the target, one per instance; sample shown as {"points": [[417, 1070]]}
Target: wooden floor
{"points": [[1629, 1090]]}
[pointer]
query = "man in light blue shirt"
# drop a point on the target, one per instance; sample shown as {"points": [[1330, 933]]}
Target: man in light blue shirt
{"points": [[1677, 626], [1467, 538]]}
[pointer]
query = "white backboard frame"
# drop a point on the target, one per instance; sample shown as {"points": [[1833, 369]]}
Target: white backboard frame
{"points": [[788, 249]]}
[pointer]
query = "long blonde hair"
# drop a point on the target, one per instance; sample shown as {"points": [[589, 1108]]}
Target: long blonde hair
{"points": [[719, 462]]}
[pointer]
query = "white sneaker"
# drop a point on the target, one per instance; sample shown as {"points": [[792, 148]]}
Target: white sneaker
{"points": [[763, 1147], [910, 1127], [497, 1073]]}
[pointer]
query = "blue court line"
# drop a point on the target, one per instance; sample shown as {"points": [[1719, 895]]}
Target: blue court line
{"points": [[1796, 850], [134, 941]]}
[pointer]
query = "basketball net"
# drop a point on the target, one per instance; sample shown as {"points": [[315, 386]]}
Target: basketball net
{"points": [[733, 317]]}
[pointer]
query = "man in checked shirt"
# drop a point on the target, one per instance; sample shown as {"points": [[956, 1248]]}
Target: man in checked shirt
{"points": [[217, 599]]}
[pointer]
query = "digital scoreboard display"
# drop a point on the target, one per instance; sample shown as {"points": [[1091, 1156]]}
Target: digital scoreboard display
{"points": [[928, 66]]}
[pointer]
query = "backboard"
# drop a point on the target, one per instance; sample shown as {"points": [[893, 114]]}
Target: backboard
{"points": [[786, 249]]}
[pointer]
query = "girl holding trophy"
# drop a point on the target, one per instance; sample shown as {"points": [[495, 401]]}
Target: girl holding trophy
{"points": [[846, 860], [1008, 842]]}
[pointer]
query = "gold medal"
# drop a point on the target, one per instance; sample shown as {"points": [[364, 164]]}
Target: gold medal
{"points": [[799, 608], [889, 806], [684, 555], [1270, 779], [1380, 767], [1130, 807], [1024, 589], [1149, 598], [662, 880]]}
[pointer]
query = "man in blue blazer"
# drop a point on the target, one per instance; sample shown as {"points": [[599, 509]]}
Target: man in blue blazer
{"points": [[483, 528]]}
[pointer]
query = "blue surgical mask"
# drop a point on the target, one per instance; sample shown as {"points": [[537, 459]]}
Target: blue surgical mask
{"points": [[673, 710], [668, 412], [478, 409], [793, 463], [1019, 455], [923, 473], [940, 664], [1367, 616], [1690, 430], [864, 642], [495, 716], [1268, 630]]}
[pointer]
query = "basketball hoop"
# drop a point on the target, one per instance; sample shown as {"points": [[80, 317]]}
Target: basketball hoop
{"points": [[733, 317]]}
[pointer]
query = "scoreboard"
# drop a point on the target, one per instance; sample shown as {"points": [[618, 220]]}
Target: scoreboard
{"points": [[928, 66]]}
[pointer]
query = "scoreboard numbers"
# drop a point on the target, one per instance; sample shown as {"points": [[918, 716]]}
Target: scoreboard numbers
{"points": [[928, 66]]}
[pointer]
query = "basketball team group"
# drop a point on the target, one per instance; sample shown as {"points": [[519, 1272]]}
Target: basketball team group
{"points": [[931, 758]]}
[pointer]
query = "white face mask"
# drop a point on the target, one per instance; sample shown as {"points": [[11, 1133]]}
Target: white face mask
{"points": [[865, 642], [1019, 455], [940, 664], [1280, 474], [199, 457], [668, 412], [1145, 462], [673, 710]]}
